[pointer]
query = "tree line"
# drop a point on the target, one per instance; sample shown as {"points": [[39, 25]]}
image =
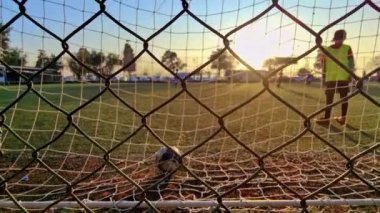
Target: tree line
{"points": [[95, 60], [104, 64], [11, 56], [98, 61]]}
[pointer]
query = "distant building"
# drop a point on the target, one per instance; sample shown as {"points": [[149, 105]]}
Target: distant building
{"points": [[8, 76]]}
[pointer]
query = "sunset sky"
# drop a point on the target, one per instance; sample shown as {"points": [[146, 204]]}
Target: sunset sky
{"points": [[273, 35]]}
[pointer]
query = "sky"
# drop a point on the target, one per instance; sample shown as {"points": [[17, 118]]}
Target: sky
{"points": [[273, 35]]}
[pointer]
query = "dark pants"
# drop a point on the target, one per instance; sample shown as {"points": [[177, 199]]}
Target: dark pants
{"points": [[331, 88]]}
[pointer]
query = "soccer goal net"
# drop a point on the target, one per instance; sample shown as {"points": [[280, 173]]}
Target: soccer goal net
{"points": [[193, 106]]}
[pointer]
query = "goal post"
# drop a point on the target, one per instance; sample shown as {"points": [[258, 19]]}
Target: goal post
{"points": [[194, 204], [227, 93]]}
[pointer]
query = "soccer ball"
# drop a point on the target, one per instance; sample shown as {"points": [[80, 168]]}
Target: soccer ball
{"points": [[167, 160]]}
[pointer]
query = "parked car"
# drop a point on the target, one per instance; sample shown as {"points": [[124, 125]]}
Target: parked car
{"points": [[2, 78]]}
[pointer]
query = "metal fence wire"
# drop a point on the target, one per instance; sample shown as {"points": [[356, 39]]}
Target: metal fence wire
{"points": [[302, 203]]}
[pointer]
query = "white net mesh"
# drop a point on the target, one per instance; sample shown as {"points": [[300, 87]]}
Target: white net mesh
{"points": [[79, 139]]}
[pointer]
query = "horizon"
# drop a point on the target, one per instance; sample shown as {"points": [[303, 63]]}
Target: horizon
{"points": [[273, 35]]}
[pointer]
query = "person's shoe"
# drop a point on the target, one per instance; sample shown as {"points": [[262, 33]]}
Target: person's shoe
{"points": [[322, 121], [341, 120]]}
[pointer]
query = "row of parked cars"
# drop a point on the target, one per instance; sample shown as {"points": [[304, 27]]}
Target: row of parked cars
{"points": [[134, 78]]}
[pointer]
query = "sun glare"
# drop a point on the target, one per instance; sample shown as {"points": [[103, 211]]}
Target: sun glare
{"points": [[255, 46]]}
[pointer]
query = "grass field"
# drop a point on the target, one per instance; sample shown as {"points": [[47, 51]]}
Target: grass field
{"points": [[262, 125], [262, 121]]}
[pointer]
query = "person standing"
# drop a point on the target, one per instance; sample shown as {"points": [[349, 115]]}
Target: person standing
{"points": [[335, 78], [279, 79]]}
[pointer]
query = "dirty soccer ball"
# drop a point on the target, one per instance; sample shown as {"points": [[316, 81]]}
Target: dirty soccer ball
{"points": [[167, 160]]}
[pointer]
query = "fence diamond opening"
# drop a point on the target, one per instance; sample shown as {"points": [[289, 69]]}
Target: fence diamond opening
{"points": [[88, 141]]}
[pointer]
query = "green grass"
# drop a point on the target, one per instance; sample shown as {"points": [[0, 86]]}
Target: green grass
{"points": [[262, 124]]}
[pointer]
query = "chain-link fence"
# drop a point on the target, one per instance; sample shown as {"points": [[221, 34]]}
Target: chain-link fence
{"points": [[221, 199]]}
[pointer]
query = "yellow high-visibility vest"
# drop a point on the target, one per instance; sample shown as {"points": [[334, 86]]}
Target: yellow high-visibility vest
{"points": [[333, 72]]}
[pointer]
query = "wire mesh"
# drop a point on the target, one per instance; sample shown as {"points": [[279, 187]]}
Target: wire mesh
{"points": [[351, 168]]}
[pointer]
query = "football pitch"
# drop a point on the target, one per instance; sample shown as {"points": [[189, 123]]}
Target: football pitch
{"points": [[263, 123], [222, 128]]}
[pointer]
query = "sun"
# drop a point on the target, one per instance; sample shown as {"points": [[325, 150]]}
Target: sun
{"points": [[255, 46]]}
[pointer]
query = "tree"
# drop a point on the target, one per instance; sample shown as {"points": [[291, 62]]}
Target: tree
{"points": [[42, 59], [57, 65], [83, 55], [111, 60], [273, 63], [128, 56], [14, 56], [318, 62], [11, 56], [4, 41], [96, 61], [171, 60], [269, 63], [4, 38], [303, 72], [223, 62]]}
